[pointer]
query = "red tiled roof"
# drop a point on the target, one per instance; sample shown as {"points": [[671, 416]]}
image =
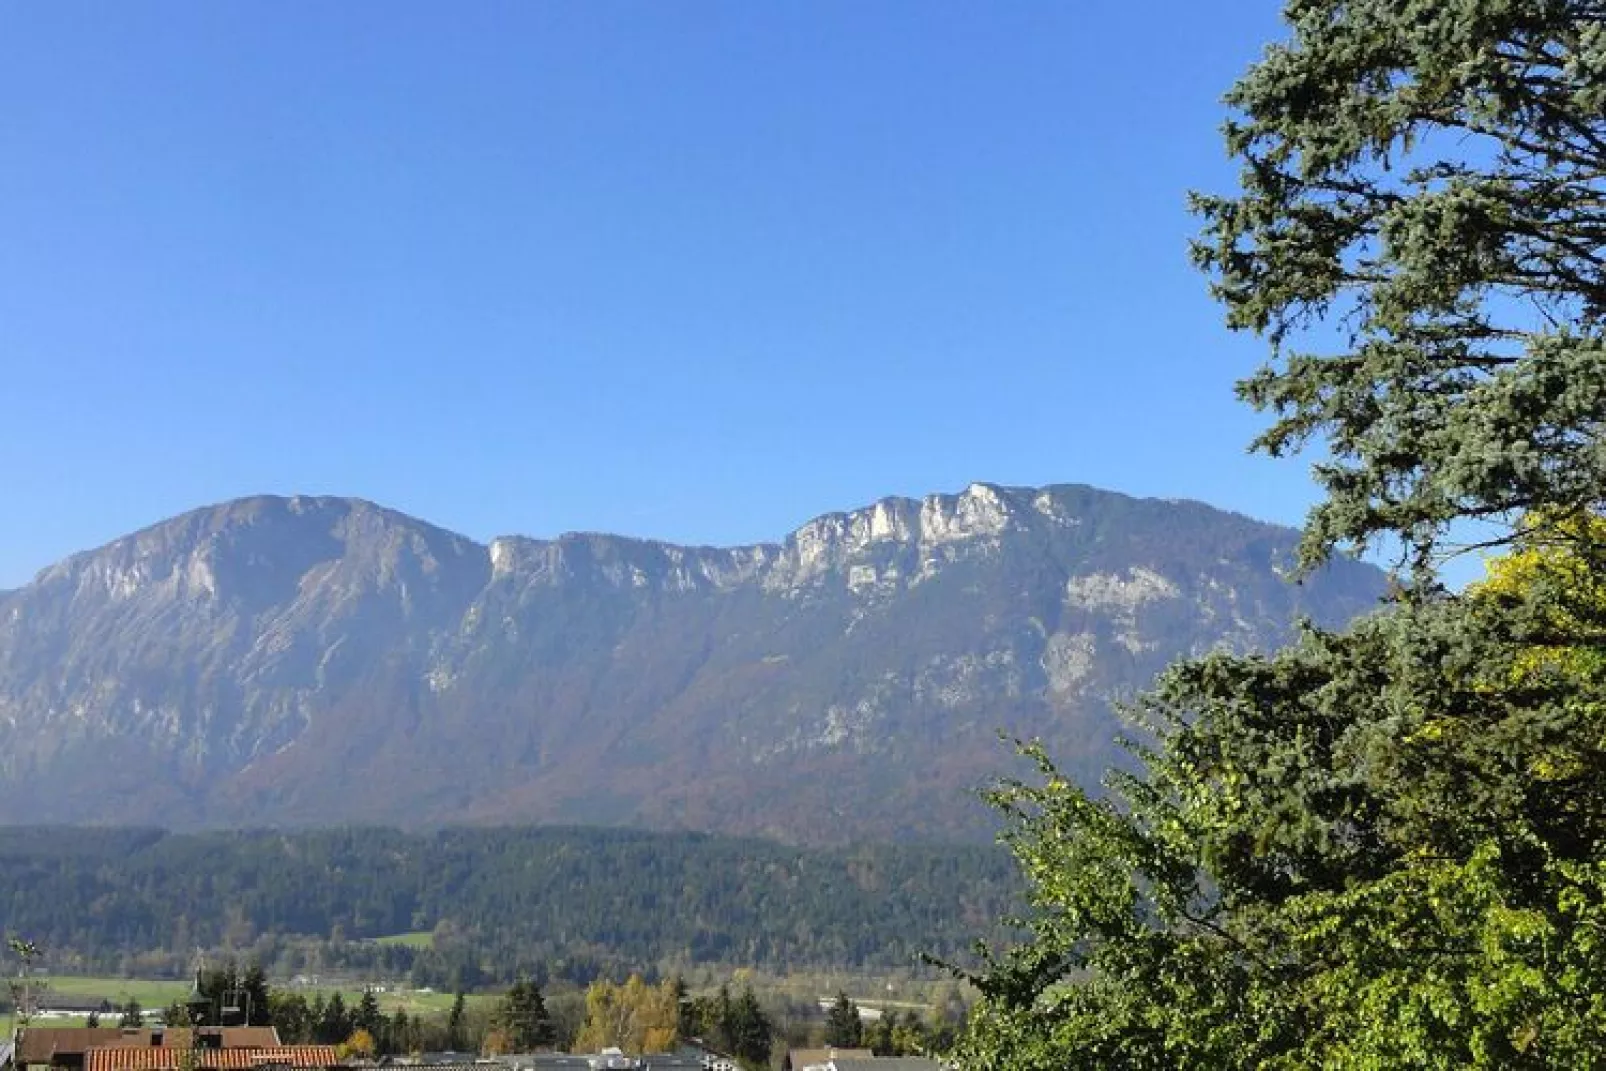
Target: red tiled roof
{"points": [[168, 1058]]}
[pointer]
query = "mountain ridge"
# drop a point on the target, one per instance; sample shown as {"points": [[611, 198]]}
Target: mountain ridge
{"points": [[293, 659], [267, 497]]}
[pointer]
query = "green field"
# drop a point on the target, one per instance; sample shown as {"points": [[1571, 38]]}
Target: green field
{"points": [[418, 939], [149, 993]]}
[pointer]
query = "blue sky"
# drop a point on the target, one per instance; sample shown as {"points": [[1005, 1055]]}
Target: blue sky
{"points": [[695, 271]]}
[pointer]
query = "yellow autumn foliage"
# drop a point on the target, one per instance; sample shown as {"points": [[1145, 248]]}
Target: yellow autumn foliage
{"points": [[1557, 568], [360, 1045], [1557, 574], [635, 1017]]}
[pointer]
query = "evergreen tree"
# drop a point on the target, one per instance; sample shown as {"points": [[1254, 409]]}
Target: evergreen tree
{"points": [[523, 1017], [843, 1027], [367, 1015], [334, 1025], [455, 1040], [258, 997], [684, 1023], [292, 1017], [1381, 847], [132, 1016], [750, 1030], [1427, 179], [315, 1016], [397, 1035]]}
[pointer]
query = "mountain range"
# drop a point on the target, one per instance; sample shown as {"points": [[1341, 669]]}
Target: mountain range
{"points": [[302, 661]]}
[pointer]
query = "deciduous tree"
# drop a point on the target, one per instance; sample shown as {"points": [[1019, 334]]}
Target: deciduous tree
{"points": [[635, 1017], [25, 988], [359, 1044]]}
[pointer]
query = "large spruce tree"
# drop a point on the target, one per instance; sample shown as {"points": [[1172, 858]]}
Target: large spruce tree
{"points": [[1381, 847], [844, 1029], [523, 1017]]}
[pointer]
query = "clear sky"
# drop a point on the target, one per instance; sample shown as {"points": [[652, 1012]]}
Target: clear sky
{"points": [[696, 271]]}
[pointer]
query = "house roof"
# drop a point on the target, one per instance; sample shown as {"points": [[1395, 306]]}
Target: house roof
{"points": [[41, 1044], [170, 1058], [801, 1058], [887, 1063]]}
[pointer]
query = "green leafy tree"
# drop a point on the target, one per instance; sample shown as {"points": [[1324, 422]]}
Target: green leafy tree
{"points": [[877, 1036], [843, 1027], [908, 1035], [1380, 847]]}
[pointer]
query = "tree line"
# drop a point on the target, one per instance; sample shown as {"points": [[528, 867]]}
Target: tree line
{"points": [[500, 904]]}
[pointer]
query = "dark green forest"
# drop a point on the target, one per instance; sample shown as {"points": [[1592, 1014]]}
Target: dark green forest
{"points": [[568, 903]]}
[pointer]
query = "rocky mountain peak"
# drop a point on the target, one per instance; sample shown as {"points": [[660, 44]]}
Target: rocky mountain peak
{"points": [[311, 659]]}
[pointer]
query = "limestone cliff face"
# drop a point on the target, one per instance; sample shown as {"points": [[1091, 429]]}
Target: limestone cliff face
{"points": [[312, 660]]}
